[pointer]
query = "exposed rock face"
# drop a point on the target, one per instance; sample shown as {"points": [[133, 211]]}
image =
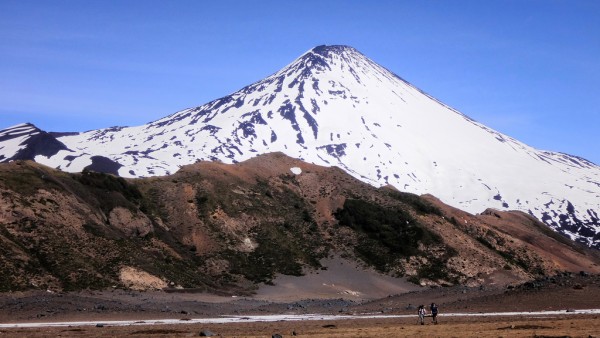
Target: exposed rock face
{"points": [[136, 279], [131, 224], [226, 228]]}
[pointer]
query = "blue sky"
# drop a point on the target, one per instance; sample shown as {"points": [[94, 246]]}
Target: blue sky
{"points": [[529, 69]]}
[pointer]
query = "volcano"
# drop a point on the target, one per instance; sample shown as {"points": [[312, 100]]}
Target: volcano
{"points": [[333, 106]]}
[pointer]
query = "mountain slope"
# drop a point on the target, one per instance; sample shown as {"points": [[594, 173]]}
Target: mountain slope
{"points": [[334, 106], [26, 141], [227, 228]]}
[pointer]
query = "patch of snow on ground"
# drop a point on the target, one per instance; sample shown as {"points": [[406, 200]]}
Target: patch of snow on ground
{"points": [[273, 318], [296, 170]]}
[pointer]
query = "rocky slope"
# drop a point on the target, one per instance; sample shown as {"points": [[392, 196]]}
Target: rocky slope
{"points": [[226, 228]]}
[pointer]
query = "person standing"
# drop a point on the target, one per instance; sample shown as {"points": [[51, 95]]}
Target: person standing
{"points": [[421, 312], [434, 312]]}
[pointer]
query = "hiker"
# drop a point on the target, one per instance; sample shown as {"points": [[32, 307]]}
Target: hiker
{"points": [[421, 311], [434, 312]]}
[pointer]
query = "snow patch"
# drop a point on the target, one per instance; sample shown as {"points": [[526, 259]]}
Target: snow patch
{"points": [[296, 170], [288, 318]]}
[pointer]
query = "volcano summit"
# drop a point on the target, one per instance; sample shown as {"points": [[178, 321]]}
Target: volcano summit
{"points": [[333, 106]]}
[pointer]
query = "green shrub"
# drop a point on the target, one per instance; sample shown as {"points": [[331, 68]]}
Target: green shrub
{"points": [[392, 227], [109, 191], [419, 204], [390, 232]]}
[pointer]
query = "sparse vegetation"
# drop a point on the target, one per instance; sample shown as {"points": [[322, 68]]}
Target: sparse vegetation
{"points": [[512, 257], [283, 246]]}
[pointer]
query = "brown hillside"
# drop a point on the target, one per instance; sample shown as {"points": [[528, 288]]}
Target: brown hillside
{"points": [[228, 228]]}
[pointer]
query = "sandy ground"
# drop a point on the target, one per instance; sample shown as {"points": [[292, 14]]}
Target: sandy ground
{"points": [[342, 278], [572, 326]]}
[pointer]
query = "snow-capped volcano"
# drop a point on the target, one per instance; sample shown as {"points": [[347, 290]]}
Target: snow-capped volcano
{"points": [[334, 106]]}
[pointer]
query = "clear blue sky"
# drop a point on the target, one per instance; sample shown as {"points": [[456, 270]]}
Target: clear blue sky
{"points": [[529, 69]]}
